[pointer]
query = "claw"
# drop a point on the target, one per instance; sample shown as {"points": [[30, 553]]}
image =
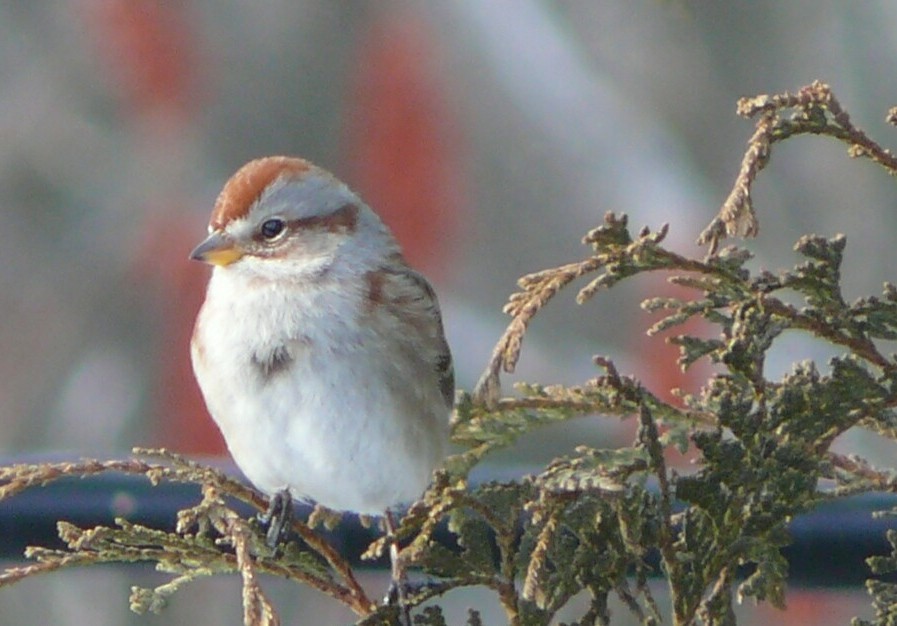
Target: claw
{"points": [[277, 518], [397, 595]]}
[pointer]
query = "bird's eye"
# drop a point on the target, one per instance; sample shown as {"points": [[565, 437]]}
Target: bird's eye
{"points": [[271, 228]]}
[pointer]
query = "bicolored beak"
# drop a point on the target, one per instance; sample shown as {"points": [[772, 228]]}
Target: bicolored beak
{"points": [[217, 249]]}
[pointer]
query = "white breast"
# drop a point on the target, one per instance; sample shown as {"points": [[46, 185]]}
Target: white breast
{"points": [[336, 418]]}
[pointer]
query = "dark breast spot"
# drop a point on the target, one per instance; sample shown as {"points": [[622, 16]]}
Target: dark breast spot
{"points": [[272, 363]]}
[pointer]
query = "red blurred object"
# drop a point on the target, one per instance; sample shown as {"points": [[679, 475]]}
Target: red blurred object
{"points": [[658, 366], [183, 424], [661, 373], [402, 145], [150, 50]]}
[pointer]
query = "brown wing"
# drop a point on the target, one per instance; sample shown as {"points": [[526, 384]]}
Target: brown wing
{"points": [[412, 304]]}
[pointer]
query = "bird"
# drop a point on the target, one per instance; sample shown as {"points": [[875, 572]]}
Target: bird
{"points": [[319, 352]]}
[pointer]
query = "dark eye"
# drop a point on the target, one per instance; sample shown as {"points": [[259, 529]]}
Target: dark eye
{"points": [[271, 228]]}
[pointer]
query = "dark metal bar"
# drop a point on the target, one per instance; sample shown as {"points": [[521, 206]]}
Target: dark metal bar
{"points": [[829, 545]]}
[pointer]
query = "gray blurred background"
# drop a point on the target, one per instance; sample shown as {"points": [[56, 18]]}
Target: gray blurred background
{"points": [[490, 134]]}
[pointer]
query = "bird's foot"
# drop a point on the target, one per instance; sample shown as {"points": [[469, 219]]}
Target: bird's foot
{"points": [[397, 595], [401, 596], [277, 519]]}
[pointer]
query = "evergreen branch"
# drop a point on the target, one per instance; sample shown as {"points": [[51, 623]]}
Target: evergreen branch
{"points": [[817, 112], [824, 329], [16, 478], [871, 478], [13, 575]]}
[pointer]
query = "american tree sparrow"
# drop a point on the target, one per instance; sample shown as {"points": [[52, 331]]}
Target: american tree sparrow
{"points": [[319, 352]]}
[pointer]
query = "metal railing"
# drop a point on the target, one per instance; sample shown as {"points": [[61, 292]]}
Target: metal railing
{"points": [[829, 545]]}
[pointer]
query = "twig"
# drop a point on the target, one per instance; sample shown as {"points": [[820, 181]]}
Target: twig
{"points": [[19, 477], [818, 113], [257, 609], [861, 346], [877, 480], [15, 574]]}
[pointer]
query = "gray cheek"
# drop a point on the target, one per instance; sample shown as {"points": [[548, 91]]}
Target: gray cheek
{"points": [[313, 244]]}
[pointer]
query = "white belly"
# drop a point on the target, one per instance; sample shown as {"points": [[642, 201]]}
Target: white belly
{"points": [[342, 423], [327, 438]]}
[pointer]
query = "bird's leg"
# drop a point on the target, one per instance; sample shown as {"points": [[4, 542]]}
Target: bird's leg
{"points": [[398, 586], [277, 518]]}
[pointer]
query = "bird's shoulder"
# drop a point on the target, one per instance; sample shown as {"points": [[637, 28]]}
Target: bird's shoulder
{"points": [[404, 296]]}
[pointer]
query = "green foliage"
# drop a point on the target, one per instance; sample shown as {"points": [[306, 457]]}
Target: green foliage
{"points": [[592, 523], [884, 595]]}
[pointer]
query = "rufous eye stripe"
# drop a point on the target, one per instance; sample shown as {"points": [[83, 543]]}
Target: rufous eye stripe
{"points": [[244, 187], [343, 220]]}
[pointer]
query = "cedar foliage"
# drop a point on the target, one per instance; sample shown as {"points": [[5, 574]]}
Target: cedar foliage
{"points": [[591, 521]]}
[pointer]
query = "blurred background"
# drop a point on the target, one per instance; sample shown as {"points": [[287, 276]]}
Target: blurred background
{"points": [[489, 134]]}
